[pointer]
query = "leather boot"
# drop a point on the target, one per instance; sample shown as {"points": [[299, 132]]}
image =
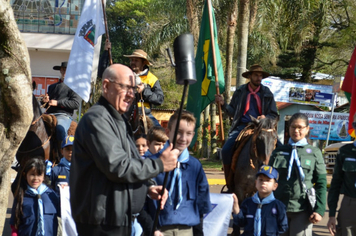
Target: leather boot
{"points": [[227, 170]]}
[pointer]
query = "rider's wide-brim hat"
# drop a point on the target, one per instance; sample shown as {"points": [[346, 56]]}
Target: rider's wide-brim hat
{"points": [[63, 64], [255, 68], [140, 54]]}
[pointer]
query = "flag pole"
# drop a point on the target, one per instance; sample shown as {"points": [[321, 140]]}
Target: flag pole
{"points": [[212, 40], [106, 30]]}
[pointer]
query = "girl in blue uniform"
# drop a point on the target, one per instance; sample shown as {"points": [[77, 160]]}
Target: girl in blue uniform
{"points": [[35, 207]]}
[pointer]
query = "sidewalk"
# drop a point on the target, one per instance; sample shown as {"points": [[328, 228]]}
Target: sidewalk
{"points": [[216, 177]]}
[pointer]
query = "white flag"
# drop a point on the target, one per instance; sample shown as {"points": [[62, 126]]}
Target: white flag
{"points": [[79, 69], [217, 221], [68, 224]]}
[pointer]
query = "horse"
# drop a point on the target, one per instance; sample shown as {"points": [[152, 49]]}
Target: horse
{"points": [[254, 152], [40, 138]]}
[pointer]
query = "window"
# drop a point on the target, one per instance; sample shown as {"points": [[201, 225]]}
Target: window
{"points": [[47, 16]]}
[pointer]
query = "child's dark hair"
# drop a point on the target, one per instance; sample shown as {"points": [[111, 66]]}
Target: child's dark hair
{"points": [[140, 136], [157, 133], [186, 115], [39, 165], [297, 116]]}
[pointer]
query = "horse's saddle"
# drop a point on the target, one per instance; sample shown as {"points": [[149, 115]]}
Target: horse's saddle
{"points": [[240, 142], [50, 122]]}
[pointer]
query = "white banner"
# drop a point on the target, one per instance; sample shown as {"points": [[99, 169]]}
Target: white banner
{"points": [[319, 125], [80, 64], [68, 224], [217, 221], [301, 93]]}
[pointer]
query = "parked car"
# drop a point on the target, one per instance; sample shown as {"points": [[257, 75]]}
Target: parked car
{"points": [[330, 153]]}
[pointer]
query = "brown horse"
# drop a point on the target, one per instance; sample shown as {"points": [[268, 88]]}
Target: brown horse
{"points": [[254, 153], [40, 138]]}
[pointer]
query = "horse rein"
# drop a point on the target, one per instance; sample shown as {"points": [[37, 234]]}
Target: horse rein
{"points": [[35, 121], [144, 119]]}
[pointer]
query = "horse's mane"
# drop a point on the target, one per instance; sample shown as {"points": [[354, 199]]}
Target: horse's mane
{"points": [[37, 112]]}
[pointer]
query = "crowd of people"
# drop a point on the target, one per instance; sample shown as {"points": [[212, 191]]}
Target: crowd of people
{"points": [[116, 180]]}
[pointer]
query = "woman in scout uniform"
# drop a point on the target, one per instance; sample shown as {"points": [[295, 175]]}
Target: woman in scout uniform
{"points": [[299, 163]]}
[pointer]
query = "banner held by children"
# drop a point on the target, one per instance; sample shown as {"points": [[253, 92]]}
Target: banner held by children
{"points": [[217, 221], [68, 224]]}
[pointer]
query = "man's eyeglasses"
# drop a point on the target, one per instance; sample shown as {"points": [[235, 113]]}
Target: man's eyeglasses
{"points": [[298, 128], [125, 87]]}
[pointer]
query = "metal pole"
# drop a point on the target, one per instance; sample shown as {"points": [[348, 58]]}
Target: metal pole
{"points": [[331, 118], [212, 40], [106, 31]]}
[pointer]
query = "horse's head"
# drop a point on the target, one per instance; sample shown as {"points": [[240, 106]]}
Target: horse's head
{"points": [[264, 138], [36, 141]]}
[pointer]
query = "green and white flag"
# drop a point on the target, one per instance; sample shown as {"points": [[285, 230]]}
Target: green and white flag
{"points": [[204, 65]]}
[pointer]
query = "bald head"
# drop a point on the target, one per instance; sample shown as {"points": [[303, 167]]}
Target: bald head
{"points": [[115, 71], [118, 86]]}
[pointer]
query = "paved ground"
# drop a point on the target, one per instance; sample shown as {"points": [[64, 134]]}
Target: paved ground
{"points": [[216, 182]]}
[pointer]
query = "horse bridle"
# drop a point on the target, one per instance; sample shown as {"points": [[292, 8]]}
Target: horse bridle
{"points": [[254, 147]]}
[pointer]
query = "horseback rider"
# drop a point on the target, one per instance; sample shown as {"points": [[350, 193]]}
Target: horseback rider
{"points": [[62, 101], [149, 89], [252, 99]]}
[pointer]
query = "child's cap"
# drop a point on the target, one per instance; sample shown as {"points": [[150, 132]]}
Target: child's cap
{"points": [[68, 141], [269, 171]]}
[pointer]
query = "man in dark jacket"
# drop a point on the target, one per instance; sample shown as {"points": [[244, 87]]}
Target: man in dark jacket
{"points": [[109, 181], [252, 99], [62, 101], [149, 88]]}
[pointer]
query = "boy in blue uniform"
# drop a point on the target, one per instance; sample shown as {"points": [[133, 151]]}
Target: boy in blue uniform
{"points": [[187, 185], [262, 214], [60, 173]]}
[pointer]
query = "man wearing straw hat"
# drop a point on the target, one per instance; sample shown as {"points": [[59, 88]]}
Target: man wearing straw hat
{"points": [[148, 84], [252, 99]]}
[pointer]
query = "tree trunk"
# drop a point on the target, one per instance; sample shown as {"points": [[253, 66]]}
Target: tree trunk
{"points": [[205, 148], [231, 29], [242, 38], [192, 15], [253, 14], [16, 98]]}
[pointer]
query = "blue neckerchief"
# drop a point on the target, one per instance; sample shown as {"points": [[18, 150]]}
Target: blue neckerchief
{"points": [[294, 157], [40, 220], [257, 222], [48, 167], [65, 162], [177, 174], [147, 154]]}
